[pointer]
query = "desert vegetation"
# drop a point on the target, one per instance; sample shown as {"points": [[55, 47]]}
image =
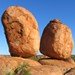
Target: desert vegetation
{"points": [[20, 70]]}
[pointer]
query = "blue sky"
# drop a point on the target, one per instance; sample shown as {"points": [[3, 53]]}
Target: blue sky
{"points": [[44, 11]]}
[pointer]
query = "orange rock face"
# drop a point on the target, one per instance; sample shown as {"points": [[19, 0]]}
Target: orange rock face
{"points": [[56, 41], [63, 65], [21, 31], [11, 64], [71, 72], [46, 70]]}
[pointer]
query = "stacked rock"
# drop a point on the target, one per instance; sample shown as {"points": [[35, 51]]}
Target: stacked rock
{"points": [[21, 30], [56, 41]]}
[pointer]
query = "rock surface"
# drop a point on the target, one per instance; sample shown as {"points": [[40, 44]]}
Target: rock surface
{"points": [[46, 70], [64, 65], [18, 60], [21, 30], [8, 64], [70, 72], [14, 64], [56, 41]]}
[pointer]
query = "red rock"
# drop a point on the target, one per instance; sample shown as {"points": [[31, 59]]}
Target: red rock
{"points": [[46, 70], [70, 72], [21, 30], [63, 65], [56, 41], [10, 64]]}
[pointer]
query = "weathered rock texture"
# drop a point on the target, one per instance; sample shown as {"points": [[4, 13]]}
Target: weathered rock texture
{"points": [[56, 41], [8, 64], [70, 72], [46, 70], [63, 65], [16, 65], [21, 30], [11, 61]]}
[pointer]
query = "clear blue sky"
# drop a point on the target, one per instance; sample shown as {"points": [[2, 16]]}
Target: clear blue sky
{"points": [[44, 11]]}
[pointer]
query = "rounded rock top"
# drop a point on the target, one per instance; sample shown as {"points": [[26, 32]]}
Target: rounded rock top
{"points": [[56, 20]]}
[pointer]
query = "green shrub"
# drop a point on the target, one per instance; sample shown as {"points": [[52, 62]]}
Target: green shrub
{"points": [[21, 70], [73, 56], [11, 73]]}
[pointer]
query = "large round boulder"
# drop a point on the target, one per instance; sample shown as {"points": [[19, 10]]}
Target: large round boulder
{"points": [[21, 30], [56, 40]]}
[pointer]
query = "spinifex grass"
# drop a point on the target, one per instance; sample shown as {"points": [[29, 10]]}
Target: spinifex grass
{"points": [[21, 70]]}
